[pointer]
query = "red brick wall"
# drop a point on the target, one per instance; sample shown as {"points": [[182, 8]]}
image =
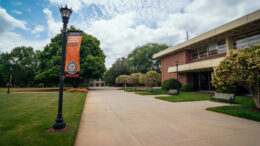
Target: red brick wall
{"points": [[169, 61], [183, 57]]}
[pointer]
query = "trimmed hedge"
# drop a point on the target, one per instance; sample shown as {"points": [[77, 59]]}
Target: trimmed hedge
{"points": [[170, 84], [225, 90], [186, 87]]}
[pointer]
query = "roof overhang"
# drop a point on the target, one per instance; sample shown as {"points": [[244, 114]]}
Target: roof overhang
{"points": [[201, 65], [217, 31]]}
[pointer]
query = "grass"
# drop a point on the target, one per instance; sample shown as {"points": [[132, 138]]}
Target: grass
{"points": [[244, 110], [153, 92], [25, 89], [25, 117], [185, 96], [145, 92], [133, 90]]}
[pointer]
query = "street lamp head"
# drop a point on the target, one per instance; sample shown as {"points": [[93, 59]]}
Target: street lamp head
{"points": [[65, 13]]}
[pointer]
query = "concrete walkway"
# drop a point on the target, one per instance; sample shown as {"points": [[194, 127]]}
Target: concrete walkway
{"points": [[117, 118]]}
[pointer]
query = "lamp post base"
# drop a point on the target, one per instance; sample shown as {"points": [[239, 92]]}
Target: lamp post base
{"points": [[59, 124]]}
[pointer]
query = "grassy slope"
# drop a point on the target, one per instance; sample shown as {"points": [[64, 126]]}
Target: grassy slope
{"points": [[185, 96], [25, 117]]}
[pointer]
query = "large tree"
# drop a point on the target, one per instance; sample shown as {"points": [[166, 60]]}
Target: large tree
{"points": [[141, 58], [118, 68], [92, 60], [21, 62], [240, 67]]}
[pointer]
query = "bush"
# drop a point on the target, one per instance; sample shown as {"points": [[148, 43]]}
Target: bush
{"points": [[186, 87], [170, 84], [225, 90]]}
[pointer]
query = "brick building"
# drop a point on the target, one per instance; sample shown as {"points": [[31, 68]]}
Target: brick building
{"points": [[198, 56]]}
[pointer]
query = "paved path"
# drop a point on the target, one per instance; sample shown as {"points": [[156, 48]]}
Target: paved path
{"points": [[116, 118]]}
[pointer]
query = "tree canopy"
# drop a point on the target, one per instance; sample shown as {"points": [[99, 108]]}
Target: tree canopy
{"points": [[21, 62], [141, 58], [122, 79], [240, 67], [151, 79], [134, 79], [118, 68], [92, 59]]}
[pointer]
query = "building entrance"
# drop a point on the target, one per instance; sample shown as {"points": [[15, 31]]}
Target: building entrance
{"points": [[201, 81]]}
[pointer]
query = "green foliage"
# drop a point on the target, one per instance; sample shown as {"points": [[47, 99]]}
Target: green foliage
{"points": [[170, 84], [240, 67], [118, 68], [186, 87], [21, 62], [92, 60], [122, 79], [225, 90], [151, 79], [134, 79], [141, 58]]}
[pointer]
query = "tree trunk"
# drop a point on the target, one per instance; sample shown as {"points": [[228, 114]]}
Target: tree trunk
{"points": [[257, 102], [125, 86], [135, 87]]}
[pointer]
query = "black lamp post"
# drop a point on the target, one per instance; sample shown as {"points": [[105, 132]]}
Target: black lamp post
{"points": [[177, 63], [65, 14]]}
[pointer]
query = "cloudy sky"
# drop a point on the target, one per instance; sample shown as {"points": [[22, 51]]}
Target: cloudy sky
{"points": [[120, 25]]}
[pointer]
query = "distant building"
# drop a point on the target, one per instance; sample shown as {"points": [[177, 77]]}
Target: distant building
{"points": [[97, 83], [199, 55]]}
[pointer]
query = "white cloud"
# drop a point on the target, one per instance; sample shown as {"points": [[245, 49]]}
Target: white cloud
{"points": [[8, 22], [38, 29], [54, 26], [121, 25], [12, 40], [17, 12]]}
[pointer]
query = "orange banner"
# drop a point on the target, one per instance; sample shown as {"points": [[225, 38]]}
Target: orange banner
{"points": [[72, 64]]}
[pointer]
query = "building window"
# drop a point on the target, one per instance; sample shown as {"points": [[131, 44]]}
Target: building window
{"points": [[247, 42], [212, 49], [203, 52], [195, 54]]}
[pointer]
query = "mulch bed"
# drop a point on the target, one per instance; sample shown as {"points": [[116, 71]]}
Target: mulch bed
{"points": [[51, 130]]}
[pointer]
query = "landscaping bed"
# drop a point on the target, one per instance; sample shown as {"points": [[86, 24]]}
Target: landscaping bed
{"points": [[25, 117]]}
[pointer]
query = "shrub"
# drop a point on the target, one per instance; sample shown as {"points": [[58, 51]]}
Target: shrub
{"points": [[186, 87], [170, 84], [225, 90]]}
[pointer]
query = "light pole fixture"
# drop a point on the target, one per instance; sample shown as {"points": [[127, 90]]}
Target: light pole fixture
{"points": [[65, 14], [177, 77]]}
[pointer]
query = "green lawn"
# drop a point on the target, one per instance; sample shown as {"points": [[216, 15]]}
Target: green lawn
{"points": [[153, 92], [185, 96], [145, 92], [25, 89], [25, 117], [244, 110]]}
